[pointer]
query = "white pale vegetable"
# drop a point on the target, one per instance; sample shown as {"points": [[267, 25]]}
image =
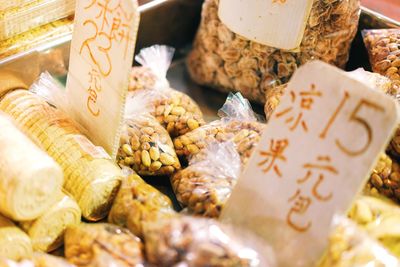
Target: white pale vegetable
{"points": [[47, 232], [14, 243], [29, 179]]}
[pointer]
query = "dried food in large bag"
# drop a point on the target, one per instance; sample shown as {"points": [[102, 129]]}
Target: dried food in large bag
{"points": [[383, 47], [238, 123], [14, 243], [350, 246], [176, 111], [197, 242], [102, 245], [380, 218], [206, 184], [90, 175], [47, 231], [145, 146], [229, 62], [138, 203], [30, 179]]}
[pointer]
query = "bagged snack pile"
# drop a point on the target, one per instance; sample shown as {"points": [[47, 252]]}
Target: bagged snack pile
{"points": [[102, 245], [145, 146], [226, 61], [350, 246], [383, 47], [206, 184], [138, 203], [238, 123], [176, 111], [170, 238]]}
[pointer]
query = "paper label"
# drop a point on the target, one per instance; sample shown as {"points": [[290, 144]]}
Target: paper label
{"points": [[276, 23], [101, 57], [96, 152], [313, 158]]}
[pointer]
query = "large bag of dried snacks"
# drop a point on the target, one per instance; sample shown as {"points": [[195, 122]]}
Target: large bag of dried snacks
{"points": [[228, 61]]}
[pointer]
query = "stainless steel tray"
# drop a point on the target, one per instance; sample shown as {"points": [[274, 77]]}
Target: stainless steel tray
{"points": [[172, 22]]}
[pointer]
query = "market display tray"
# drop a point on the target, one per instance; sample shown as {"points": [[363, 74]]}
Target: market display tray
{"points": [[171, 22]]}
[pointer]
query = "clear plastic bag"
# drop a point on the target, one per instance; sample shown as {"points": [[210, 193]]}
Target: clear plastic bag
{"points": [[47, 231], [380, 218], [90, 175], [38, 260], [31, 15], [102, 245], [238, 123], [384, 52], [30, 179], [176, 111], [198, 242], [205, 186], [145, 146], [226, 61], [349, 246], [138, 203], [7, 4]]}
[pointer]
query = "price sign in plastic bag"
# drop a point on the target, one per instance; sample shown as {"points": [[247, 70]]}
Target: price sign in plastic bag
{"points": [[315, 155]]}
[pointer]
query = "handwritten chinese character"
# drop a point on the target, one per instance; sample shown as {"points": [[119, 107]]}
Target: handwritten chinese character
{"points": [[299, 207], [306, 102], [322, 166], [107, 26], [275, 152]]}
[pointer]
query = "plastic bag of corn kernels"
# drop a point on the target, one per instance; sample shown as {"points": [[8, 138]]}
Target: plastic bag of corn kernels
{"points": [[238, 123], [174, 110], [205, 186], [350, 246], [380, 218], [145, 146], [228, 61]]}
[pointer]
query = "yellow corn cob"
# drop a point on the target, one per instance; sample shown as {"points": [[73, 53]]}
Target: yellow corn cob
{"points": [[47, 232], [90, 176], [14, 243], [138, 203], [102, 245], [30, 180]]}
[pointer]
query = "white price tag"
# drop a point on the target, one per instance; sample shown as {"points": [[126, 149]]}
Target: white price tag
{"points": [[313, 158], [101, 57], [276, 23]]}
